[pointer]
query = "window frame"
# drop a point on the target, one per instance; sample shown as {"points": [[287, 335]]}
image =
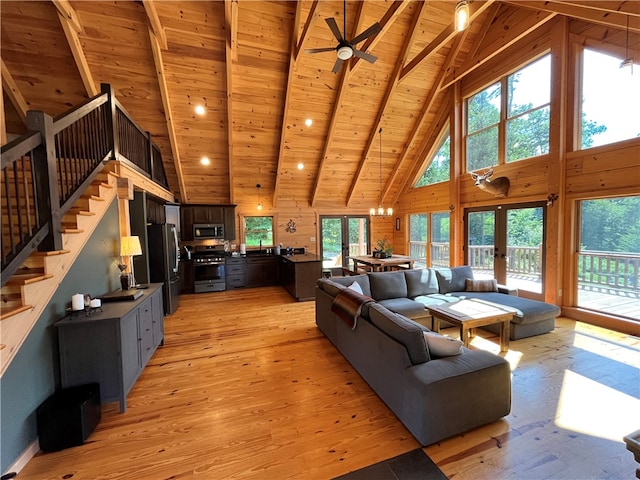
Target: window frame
{"points": [[243, 233], [429, 236], [504, 118]]}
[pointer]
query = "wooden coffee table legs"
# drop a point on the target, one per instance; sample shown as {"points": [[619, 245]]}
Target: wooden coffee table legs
{"points": [[467, 332]]}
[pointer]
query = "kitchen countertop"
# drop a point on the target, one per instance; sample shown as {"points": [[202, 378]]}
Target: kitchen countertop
{"points": [[302, 258]]}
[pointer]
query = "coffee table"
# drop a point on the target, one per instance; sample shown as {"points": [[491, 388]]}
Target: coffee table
{"points": [[468, 314]]}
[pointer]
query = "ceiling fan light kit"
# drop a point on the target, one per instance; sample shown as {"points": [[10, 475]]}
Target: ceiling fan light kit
{"points": [[345, 52]]}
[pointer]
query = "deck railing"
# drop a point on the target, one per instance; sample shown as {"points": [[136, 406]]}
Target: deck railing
{"points": [[614, 270], [45, 171]]}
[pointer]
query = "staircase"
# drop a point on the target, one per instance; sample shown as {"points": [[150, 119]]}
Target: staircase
{"points": [[27, 293], [58, 181]]}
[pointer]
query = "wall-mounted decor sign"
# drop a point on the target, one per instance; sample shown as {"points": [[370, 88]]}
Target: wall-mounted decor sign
{"points": [[291, 226]]}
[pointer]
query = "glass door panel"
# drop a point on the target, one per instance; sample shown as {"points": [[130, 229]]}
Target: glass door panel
{"points": [[481, 248], [525, 254], [342, 237]]}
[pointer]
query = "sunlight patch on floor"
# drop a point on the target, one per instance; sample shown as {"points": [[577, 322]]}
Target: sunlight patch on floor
{"points": [[608, 348], [594, 409], [493, 346]]}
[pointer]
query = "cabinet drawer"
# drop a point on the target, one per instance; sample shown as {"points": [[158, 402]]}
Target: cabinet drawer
{"points": [[235, 269], [236, 281]]}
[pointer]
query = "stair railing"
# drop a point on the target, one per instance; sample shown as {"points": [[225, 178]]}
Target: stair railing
{"points": [[44, 172]]}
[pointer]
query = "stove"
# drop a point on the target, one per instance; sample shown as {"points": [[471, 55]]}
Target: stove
{"points": [[209, 270]]}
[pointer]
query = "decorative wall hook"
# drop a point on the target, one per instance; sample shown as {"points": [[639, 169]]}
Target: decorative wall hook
{"points": [[551, 199]]}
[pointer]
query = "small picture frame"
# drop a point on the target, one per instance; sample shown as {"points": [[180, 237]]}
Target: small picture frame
{"points": [[397, 223]]}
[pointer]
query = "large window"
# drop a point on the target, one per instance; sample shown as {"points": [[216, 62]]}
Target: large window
{"points": [[521, 117], [258, 231], [438, 169], [609, 256], [610, 100], [429, 239]]}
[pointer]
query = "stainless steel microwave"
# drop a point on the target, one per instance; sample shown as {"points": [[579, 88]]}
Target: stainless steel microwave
{"points": [[208, 230]]}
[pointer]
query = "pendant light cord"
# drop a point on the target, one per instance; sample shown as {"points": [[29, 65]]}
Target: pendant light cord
{"points": [[380, 173]]}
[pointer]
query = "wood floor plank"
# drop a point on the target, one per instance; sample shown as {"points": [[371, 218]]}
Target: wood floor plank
{"points": [[246, 387]]}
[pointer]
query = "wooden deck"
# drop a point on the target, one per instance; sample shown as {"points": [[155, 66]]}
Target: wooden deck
{"points": [[246, 387]]}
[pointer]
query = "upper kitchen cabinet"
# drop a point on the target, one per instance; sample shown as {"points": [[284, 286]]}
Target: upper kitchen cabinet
{"points": [[192, 214]]}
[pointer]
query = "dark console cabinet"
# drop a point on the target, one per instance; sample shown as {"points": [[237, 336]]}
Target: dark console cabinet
{"points": [[111, 347]]}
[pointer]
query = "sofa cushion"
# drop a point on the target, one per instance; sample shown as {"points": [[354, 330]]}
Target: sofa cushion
{"points": [[355, 286], [402, 330], [329, 286], [421, 281], [388, 285], [484, 285], [435, 299], [442, 346], [527, 310], [363, 281], [453, 279], [407, 307]]}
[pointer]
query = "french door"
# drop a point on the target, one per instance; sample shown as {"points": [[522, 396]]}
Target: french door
{"points": [[507, 242], [342, 236]]}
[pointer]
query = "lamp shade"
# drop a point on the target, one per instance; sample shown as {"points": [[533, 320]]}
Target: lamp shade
{"points": [[130, 246]]}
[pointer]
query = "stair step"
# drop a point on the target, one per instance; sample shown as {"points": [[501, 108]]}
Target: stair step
{"points": [[51, 253], [27, 279], [93, 197], [11, 312], [72, 230]]}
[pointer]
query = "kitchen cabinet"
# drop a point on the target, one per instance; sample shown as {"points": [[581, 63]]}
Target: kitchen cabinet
{"points": [[224, 214], [172, 215], [112, 346], [299, 274], [236, 272], [263, 271]]}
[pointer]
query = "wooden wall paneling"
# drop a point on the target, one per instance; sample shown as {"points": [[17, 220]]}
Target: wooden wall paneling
{"points": [[456, 129]]}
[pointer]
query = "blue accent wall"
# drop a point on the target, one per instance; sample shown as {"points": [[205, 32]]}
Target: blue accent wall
{"points": [[34, 373]]}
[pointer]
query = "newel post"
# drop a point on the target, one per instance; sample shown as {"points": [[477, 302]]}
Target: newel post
{"points": [[111, 121], [45, 172]]}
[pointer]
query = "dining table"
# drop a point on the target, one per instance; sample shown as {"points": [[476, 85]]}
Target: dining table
{"points": [[369, 262]]}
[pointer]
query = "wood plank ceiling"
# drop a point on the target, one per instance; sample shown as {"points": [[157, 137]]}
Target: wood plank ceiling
{"points": [[245, 62]]}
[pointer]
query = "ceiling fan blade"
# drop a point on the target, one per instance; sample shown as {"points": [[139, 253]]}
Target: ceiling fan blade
{"points": [[365, 56], [319, 50], [334, 28], [372, 30], [337, 65]]}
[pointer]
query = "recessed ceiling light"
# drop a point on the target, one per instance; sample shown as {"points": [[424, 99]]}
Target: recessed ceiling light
{"points": [[200, 110], [300, 166], [308, 122], [205, 161]]}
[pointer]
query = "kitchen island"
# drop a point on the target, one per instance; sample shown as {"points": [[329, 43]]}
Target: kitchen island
{"points": [[299, 274]]}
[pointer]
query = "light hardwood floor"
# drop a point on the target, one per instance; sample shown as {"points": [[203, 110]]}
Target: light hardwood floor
{"points": [[247, 387]]}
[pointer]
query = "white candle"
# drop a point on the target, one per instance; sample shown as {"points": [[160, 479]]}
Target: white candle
{"points": [[77, 302], [95, 303]]}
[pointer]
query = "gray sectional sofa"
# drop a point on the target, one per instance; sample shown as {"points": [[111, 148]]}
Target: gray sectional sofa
{"points": [[434, 397], [409, 292]]}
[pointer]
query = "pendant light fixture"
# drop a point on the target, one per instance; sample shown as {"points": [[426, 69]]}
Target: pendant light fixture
{"points": [[259, 187], [380, 211], [628, 61], [461, 20]]}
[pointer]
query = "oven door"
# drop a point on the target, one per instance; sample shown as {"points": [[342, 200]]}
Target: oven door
{"points": [[209, 272]]}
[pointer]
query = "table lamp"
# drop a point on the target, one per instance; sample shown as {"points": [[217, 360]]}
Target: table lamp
{"points": [[129, 247]]}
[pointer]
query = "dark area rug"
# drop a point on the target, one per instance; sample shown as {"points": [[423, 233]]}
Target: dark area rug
{"points": [[413, 465]]}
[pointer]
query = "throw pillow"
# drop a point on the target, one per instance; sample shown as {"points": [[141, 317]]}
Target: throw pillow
{"points": [[488, 285], [356, 287], [441, 345]]}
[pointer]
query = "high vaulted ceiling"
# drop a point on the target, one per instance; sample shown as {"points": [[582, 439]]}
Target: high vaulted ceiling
{"points": [[245, 61]]}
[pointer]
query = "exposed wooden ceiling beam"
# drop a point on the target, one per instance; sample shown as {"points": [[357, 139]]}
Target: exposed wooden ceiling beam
{"points": [[311, 20], [166, 104], [477, 8], [387, 20], [522, 25], [342, 88], [436, 90], [290, 75], [67, 11], [154, 22], [231, 22], [231, 49], [3, 122], [10, 87], [584, 11], [71, 26], [629, 7], [391, 88]]}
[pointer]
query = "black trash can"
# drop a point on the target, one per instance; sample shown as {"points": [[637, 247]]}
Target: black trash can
{"points": [[67, 418]]}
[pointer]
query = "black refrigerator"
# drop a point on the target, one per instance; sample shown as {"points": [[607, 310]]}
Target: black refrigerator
{"points": [[164, 254]]}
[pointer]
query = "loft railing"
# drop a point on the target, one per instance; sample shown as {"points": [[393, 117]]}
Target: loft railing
{"points": [[44, 172]]}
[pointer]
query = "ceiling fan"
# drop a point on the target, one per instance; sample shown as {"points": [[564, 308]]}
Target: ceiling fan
{"points": [[345, 48]]}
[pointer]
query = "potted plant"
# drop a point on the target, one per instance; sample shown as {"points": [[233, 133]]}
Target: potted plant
{"points": [[384, 249]]}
